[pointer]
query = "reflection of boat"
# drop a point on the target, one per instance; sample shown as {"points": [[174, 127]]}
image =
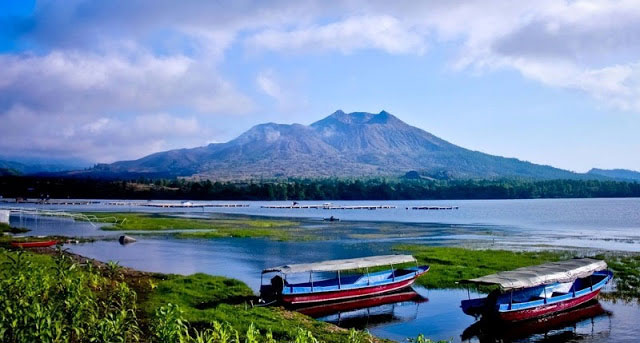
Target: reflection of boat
{"points": [[532, 292], [368, 312], [356, 304], [490, 331], [341, 288], [41, 244]]}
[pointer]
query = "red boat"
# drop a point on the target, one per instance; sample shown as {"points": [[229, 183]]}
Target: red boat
{"points": [[341, 288], [533, 292], [41, 244]]}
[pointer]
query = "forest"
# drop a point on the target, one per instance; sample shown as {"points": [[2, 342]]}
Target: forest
{"points": [[311, 189]]}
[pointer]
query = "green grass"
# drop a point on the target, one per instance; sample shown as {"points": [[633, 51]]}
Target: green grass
{"points": [[626, 275], [204, 298], [197, 291], [207, 228], [451, 264], [4, 227]]}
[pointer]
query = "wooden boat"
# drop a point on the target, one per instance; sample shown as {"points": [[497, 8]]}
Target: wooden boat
{"points": [[41, 244], [340, 288], [532, 292]]}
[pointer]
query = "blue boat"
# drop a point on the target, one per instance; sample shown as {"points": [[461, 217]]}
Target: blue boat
{"points": [[537, 291]]}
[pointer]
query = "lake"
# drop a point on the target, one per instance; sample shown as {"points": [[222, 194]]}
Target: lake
{"points": [[602, 224]]}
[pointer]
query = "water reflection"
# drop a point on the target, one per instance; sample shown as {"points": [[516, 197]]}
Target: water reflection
{"points": [[590, 321], [368, 312]]}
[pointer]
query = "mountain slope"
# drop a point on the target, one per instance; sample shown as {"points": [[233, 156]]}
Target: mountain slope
{"points": [[342, 145], [618, 174]]}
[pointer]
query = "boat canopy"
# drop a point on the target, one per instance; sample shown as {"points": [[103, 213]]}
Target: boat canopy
{"points": [[544, 274], [346, 264]]}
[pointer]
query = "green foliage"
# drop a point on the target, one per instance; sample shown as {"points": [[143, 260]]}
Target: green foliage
{"points": [[203, 298], [239, 227], [318, 189], [42, 301], [449, 264], [196, 293], [626, 269], [4, 227]]}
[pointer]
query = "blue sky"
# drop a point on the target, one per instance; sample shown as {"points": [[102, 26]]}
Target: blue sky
{"points": [[551, 82]]}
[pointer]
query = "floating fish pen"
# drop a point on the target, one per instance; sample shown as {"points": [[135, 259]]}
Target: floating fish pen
{"points": [[435, 208], [52, 202], [186, 204], [190, 205], [330, 207]]}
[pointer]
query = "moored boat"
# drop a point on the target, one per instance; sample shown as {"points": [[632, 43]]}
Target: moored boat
{"points": [[40, 244], [341, 287], [532, 292]]}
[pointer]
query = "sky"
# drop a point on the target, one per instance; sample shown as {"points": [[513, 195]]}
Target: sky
{"points": [[552, 82]]}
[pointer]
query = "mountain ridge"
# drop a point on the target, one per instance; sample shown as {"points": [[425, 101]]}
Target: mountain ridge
{"points": [[357, 144]]}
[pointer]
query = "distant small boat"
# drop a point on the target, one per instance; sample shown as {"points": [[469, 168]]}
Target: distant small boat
{"points": [[332, 219], [533, 292], [41, 244], [340, 288]]}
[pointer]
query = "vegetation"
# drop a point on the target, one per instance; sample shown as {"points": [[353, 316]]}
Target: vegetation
{"points": [[215, 227], [627, 276], [314, 189], [47, 298], [10, 229], [202, 298], [450, 264]]}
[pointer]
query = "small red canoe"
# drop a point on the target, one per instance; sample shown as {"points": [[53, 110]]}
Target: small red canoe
{"points": [[42, 244]]}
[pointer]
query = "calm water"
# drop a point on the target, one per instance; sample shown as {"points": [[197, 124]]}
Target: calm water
{"points": [[612, 224]]}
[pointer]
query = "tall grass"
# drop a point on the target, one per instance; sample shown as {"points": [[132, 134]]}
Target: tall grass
{"points": [[63, 302]]}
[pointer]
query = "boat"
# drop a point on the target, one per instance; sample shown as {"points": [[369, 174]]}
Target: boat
{"points": [[332, 219], [341, 287], [40, 244], [538, 291]]}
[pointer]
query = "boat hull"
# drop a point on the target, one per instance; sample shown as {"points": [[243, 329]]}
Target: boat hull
{"points": [[43, 244], [548, 309], [340, 295]]}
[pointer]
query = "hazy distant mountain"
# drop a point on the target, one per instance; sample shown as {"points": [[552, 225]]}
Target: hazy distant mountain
{"points": [[619, 174], [25, 168], [353, 144]]}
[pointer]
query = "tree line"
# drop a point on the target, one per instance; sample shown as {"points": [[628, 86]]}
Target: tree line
{"points": [[311, 189]]}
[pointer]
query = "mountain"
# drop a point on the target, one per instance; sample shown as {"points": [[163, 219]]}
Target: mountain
{"points": [[618, 174], [9, 167], [340, 145]]}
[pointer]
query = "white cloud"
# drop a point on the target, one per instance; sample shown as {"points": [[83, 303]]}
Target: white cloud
{"points": [[99, 139], [268, 85], [381, 32], [83, 81]]}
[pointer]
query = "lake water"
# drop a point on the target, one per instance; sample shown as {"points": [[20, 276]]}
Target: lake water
{"points": [[609, 224]]}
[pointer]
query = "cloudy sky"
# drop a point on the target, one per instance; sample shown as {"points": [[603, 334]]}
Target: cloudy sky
{"points": [[553, 82]]}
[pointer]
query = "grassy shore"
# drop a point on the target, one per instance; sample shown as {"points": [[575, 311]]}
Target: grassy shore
{"points": [[215, 227], [452, 264], [10, 229], [78, 300]]}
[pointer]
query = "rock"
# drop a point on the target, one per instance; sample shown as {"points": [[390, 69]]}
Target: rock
{"points": [[124, 239]]}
